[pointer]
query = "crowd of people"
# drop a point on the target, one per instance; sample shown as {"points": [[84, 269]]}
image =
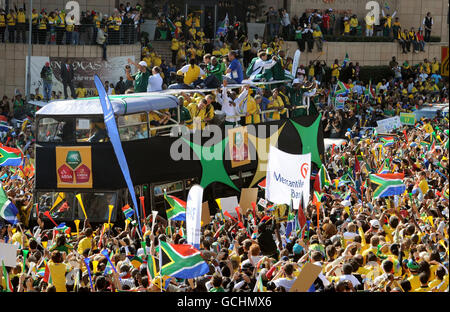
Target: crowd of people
{"points": [[56, 27]]}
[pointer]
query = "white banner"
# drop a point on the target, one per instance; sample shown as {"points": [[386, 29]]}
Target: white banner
{"points": [[288, 177], [194, 215], [388, 124]]}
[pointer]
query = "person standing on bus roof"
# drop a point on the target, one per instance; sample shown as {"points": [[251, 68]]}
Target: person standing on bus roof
{"points": [[67, 79], [140, 77]]}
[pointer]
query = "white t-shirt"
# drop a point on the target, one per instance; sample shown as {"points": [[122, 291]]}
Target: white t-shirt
{"points": [[350, 278], [285, 282], [155, 83]]}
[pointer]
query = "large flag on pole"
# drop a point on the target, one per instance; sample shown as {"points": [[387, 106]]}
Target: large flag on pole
{"points": [[7, 209], [223, 27], [113, 134], [177, 210]]}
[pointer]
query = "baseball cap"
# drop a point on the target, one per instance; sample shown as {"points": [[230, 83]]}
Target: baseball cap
{"points": [[143, 63], [296, 80], [374, 223]]}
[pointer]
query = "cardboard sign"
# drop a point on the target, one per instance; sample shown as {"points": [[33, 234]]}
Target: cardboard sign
{"points": [[248, 196], [408, 119], [8, 254], [339, 102], [306, 278], [228, 204], [280, 213], [206, 216]]}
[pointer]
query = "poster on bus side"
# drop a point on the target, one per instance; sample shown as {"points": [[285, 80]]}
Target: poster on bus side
{"points": [[74, 166]]}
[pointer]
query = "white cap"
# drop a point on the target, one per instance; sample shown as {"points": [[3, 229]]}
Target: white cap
{"points": [[374, 223], [346, 203], [142, 63], [296, 80]]}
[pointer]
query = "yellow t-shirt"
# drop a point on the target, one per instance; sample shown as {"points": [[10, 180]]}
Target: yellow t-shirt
{"points": [[84, 244], [253, 110], [415, 282], [58, 275], [346, 27], [435, 67], [275, 103], [17, 238], [81, 92], [175, 45], [335, 70], [436, 282]]}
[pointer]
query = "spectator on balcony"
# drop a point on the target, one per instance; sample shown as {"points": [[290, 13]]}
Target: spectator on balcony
{"points": [[2, 25], [308, 37], [273, 22], [42, 28], [370, 21], [396, 28], [326, 22], [286, 23], [21, 24], [101, 40], [427, 24], [346, 26], [405, 42], [60, 26], [420, 40], [413, 38], [318, 38], [70, 28], [387, 25], [234, 72], [52, 18], [34, 26], [11, 21], [353, 25]]}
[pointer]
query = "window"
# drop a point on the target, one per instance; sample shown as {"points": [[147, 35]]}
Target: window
{"points": [[133, 127], [91, 130], [55, 130], [58, 204], [96, 206]]}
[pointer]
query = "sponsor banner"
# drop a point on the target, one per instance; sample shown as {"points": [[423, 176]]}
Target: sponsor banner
{"points": [[84, 69], [288, 177], [74, 167]]}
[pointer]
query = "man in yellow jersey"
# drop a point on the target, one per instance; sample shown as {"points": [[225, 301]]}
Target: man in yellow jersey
{"points": [[60, 27], [2, 25], [34, 26], [21, 24], [11, 21], [42, 28]]}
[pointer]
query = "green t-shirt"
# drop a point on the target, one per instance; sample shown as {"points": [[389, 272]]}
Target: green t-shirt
{"points": [[141, 81], [216, 71]]}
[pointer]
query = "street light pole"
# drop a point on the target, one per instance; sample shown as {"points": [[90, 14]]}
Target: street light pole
{"points": [[30, 30]]}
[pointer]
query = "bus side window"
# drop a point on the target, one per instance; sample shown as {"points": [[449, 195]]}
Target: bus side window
{"points": [[133, 127]]}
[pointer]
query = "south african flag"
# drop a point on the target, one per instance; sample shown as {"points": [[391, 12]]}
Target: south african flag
{"points": [[387, 184], [177, 210], [181, 261], [387, 141]]}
